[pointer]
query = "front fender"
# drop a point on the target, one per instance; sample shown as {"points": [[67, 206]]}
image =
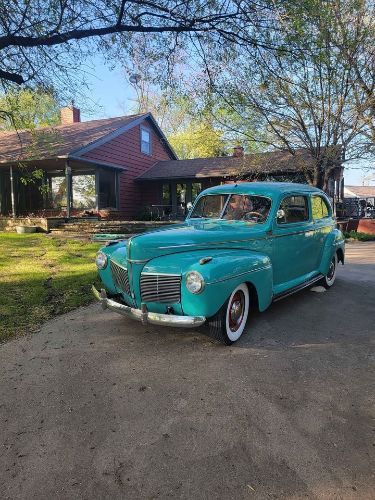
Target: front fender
{"points": [[222, 274], [334, 241]]}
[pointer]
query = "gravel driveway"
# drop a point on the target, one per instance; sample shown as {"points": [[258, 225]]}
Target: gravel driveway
{"points": [[97, 406]]}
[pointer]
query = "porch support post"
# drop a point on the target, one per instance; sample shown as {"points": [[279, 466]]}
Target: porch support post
{"points": [[1, 193], [45, 189], [12, 193], [189, 193], [97, 174], [68, 176], [174, 198]]}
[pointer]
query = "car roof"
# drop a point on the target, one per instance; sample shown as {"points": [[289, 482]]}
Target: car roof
{"points": [[262, 188]]}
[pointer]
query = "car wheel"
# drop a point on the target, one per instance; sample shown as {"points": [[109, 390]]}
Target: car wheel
{"points": [[330, 277], [229, 322]]}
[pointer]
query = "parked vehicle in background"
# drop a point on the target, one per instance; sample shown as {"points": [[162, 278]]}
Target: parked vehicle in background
{"points": [[241, 247]]}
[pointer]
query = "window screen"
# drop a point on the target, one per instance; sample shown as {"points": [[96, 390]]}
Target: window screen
{"points": [[319, 207], [295, 210]]}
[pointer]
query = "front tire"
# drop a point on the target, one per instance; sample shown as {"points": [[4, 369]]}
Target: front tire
{"points": [[330, 277], [229, 322]]}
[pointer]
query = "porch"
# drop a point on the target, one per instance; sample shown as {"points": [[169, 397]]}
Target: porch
{"points": [[58, 187]]}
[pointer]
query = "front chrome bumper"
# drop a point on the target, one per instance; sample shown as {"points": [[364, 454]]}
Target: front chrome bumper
{"points": [[145, 316]]}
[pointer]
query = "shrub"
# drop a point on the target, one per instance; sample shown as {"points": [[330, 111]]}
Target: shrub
{"points": [[359, 236]]}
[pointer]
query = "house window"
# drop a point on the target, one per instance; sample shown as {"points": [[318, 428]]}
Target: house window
{"points": [[107, 189], [58, 192], [145, 141], [166, 194], [84, 191]]}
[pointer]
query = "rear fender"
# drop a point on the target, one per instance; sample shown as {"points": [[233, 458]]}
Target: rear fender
{"points": [[334, 243]]}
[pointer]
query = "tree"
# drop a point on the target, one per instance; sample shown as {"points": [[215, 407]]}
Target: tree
{"points": [[31, 111], [306, 96], [28, 109], [45, 41], [354, 35], [198, 141]]}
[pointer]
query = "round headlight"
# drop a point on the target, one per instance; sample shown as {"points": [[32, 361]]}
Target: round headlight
{"points": [[194, 282], [101, 260]]}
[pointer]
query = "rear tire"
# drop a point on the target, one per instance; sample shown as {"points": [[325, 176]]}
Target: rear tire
{"points": [[330, 277], [229, 322]]}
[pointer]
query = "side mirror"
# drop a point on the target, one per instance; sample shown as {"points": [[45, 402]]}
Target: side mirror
{"points": [[280, 214]]}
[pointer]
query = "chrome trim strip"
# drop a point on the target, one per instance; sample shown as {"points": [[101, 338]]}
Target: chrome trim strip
{"points": [[273, 235], [240, 274], [297, 288], [138, 261], [145, 316], [210, 243], [162, 274]]}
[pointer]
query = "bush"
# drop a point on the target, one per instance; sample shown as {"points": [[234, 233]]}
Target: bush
{"points": [[359, 236]]}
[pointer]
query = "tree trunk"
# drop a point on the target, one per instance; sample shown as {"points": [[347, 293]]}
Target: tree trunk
{"points": [[319, 173]]}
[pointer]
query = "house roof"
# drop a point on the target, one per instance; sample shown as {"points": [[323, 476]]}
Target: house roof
{"points": [[359, 192], [64, 141], [227, 166]]}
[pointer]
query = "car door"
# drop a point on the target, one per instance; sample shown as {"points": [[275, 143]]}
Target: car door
{"points": [[293, 240], [321, 213]]}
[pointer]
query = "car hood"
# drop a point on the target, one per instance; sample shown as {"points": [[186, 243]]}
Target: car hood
{"points": [[191, 236]]}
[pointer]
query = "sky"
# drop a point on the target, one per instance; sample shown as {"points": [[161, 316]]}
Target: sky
{"points": [[111, 95], [110, 92]]}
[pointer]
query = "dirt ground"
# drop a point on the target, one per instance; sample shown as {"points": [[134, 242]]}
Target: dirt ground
{"points": [[95, 406]]}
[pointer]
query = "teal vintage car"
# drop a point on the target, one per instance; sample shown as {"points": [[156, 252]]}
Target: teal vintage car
{"points": [[241, 247]]}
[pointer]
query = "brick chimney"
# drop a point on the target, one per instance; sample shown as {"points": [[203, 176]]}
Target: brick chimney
{"points": [[238, 151], [70, 114]]}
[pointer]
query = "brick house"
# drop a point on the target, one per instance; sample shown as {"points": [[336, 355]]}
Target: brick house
{"points": [[119, 167]]}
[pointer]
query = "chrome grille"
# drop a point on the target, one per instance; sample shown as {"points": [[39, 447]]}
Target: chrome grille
{"points": [[120, 277], [165, 288]]}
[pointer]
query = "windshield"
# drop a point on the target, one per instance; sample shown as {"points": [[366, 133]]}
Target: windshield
{"points": [[232, 207]]}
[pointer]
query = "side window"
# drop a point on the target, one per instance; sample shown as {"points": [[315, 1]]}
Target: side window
{"points": [[293, 209], [319, 207], [145, 141]]}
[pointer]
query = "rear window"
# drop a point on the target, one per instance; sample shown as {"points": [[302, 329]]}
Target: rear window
{"points": [[293, 209], [319, 207]]}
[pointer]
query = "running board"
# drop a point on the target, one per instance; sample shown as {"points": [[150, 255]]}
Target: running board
{"points": [[297, 288]]}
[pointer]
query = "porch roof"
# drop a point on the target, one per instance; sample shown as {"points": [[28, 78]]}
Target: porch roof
{"points": [[59, 163]]}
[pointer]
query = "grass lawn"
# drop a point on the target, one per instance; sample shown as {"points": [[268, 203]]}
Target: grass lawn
{"points": [[42, 276]]}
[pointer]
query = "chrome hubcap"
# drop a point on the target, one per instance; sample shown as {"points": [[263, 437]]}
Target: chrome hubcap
{"points": [[331, 270], [236, 310]]}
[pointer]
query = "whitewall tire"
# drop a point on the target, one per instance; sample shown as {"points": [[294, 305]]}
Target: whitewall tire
{"points": [[330, 278], [229, 322]]}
